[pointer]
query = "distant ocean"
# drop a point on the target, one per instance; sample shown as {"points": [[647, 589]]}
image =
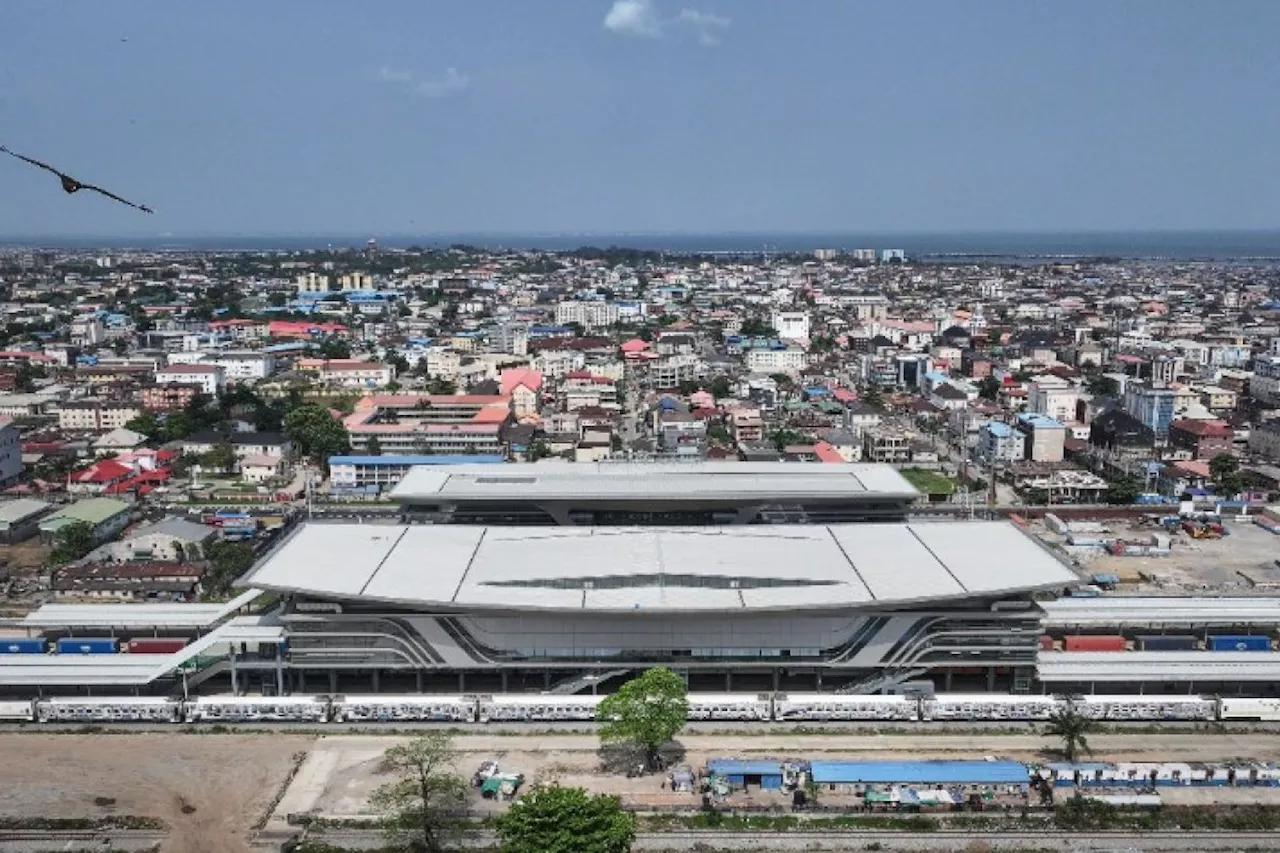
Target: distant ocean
{"points": [[1170, 245]]}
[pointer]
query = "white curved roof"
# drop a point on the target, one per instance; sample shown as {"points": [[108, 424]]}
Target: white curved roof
{"points": [[767, 567]]}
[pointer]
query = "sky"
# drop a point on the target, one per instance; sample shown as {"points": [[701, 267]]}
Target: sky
{"points": [[298, 117]]}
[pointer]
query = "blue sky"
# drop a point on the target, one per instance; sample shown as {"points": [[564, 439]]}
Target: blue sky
{"points": [[292, 117]]}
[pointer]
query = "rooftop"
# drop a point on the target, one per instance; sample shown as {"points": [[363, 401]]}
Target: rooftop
{"points": [[1158, 666], [653, 481], [768, 567], [1156, 610]]}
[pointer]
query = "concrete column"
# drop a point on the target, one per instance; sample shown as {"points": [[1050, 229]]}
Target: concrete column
{"points": [[302, 681], [280, 671], [333, 681], [991, 678], [462, 682], [235, 681], [417, 680], [546, 680], [818, 682], [776, 675], [728, 682], [947, 681], [376, 682], [505, 676]]}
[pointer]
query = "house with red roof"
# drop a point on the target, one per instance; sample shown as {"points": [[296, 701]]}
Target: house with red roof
{"points": [[524, 386]]}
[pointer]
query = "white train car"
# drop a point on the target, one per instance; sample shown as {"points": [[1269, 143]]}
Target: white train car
{"points": [[538, 709], [730, 706], [1236, 708], [109, 709], [1153, 708], [834, 707], [245, 709], [17, 711], [395, 709], [988, 706]]}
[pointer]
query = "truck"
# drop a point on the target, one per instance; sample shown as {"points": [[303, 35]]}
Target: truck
{"points": [[86, 646]]}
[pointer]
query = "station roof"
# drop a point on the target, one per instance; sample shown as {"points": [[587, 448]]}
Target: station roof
{"points": [[765, 567], [1116, 611], [1158, 666], [919, 772], [157, 615], [771, 481], [77, 670]]}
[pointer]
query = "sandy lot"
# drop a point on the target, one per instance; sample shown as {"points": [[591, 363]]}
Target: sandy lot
{"points": [[229, 781], [340, 771]]}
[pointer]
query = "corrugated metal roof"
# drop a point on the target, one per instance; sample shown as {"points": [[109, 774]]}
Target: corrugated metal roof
{"points": [[1158, 666], [135, 615], [737, 767], [1155, 610], [15, 511], [919, 772]]}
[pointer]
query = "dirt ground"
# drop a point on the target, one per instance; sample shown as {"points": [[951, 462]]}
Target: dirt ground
{"points": [[1242, 563], [209, 789], [340, 771]]}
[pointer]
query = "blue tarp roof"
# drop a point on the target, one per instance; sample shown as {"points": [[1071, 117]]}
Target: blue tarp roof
{"points": [[736, 767], [919, 772], [434, 459]]}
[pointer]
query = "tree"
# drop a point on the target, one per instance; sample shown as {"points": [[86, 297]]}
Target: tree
{"points": [[315, 432], [1222, 465], [1102, 386], [334, 347], [438, 385], [221, 457], [227, 561], [1072, 729], [647, 711], [373, 447], [277, 300], [147, 424], [720, 388], [873, 397], [416, 807], [72, 542], [784, 438], [989, 388], [1122, 490], [551, 819], [538, 449]]}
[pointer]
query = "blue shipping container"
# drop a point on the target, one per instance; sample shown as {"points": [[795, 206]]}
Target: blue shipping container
{"points": [[33, 646], [1239, 643], [86, 646]]}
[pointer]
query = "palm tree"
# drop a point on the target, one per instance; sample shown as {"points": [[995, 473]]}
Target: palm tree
{"points": [[1072, 729]]}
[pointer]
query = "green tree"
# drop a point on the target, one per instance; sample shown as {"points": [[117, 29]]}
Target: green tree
{"points": [[72, 542], [647, 711], [1072, 729], [720, 388], [753, 327], [373, 447], [438, 385], [227, 561], [147, 424], [1223, 464], [221, 457], [784, 438], [989, 388], [1123, 490], [334, 347], [538, 449], [277, 300], [1102, 386], [416, 807], [551, 819], [688, 387], [315, 433], [873, 397]]}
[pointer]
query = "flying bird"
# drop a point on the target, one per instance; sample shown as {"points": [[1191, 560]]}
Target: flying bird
{"points": [[71, 185]]}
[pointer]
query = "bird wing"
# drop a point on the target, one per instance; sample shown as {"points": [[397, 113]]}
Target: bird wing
{"points": [[112, 195], [44, 166]]}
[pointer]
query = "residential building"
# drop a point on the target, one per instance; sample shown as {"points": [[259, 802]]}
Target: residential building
{"points": [[1218, 399], [788, 360], [1204, 439], [245, 444], [96, 415], [672, 370], [885, 444], [1153, 406], [1265, 384], [169, 539], [260, 468], [10, 452], [1045, 437], [411, 424], [682, 434], [858, 416], [20, 518], [948, 397], [580, 389], [1264, 440], [87, 331], [1054, 397], [791, 325], [745, 423], [210, 377], [132, 581], [349, 372], [1000, 443], [524, 386], [311, 283], [168, 398], [591, 315], [376, 474], [106, 516]]}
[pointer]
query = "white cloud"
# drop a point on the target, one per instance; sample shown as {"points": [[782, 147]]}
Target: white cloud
{"points": [[641, 18], [450, 82], [440, 87], [633, 17]]}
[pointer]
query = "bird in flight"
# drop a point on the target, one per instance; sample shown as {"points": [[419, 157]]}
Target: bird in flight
{"points": [[71, 185]]}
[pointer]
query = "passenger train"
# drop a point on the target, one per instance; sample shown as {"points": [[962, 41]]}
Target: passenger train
{"points": [[525, 708]]}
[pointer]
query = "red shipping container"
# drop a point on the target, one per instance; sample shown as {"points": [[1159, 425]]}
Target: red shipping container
{"points": [[1046, 643], [156, 645], [1094, 643]]}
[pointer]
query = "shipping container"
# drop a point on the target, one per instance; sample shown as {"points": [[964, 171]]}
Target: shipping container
{"points": [[1094, 643], [22, 646], [1046, 643], [156, 645], [1167, 643], [1239, 643], [86, 646]]}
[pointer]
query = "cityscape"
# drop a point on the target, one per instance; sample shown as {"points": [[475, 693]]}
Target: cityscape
{"points": [[623, 425]]}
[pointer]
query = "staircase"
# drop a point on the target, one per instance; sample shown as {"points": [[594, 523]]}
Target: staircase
{"points": [[878, 682], [578, 683]]}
